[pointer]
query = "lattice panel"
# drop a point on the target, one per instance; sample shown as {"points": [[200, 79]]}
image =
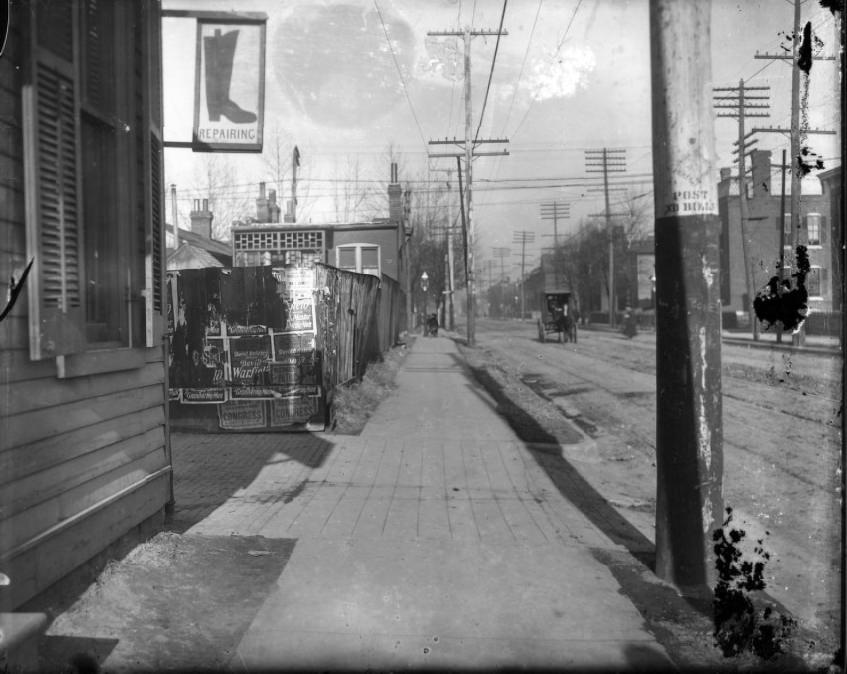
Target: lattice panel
{"points": [[279, 240]]}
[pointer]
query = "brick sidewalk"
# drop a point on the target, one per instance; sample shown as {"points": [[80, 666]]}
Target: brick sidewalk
{"points": [[436, 538]]}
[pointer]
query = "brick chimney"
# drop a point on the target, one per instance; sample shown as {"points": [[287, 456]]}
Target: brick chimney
{"points": [[761, 161], [273, 207], [201, 219], [395, 197], [262, 214]]}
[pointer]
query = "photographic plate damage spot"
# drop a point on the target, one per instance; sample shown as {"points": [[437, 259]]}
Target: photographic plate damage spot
{"points": [[337, 65], [783, 301]]}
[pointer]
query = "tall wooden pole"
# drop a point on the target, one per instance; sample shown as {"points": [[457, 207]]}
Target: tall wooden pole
{"points": [[781, 257], [174, 216], [469, 140], [797, 337], [689, 430], [610, 234], [745, 223]]}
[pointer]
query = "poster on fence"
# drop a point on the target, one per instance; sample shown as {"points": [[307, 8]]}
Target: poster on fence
{"points": [[304, 369], [241, 415], [301, 314], [244, 339], [204, 396], [293, 410], [292, 344], [295, 282]]}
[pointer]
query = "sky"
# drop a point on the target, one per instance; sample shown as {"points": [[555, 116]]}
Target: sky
{"points": [[348, 79]]}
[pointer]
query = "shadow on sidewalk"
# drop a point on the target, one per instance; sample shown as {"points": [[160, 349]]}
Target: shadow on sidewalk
{"points": [[210, 468], [564, 475]]}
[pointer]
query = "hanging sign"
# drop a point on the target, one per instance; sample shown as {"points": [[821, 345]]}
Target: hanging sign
{"points": [[229, 85]]}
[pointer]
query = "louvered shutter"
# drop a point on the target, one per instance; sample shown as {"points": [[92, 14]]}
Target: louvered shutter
{"points": [[155, 259], [823, 230], [52, 165]]}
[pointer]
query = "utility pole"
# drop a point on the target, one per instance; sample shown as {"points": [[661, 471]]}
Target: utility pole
{"points": [[502, 253], [523, 237], [781, 258], [555, 211], [174, 216], [689, 427], [451, 286], [796, 135], [468, 147], [295, 164], [607, 161], [735, 101]]}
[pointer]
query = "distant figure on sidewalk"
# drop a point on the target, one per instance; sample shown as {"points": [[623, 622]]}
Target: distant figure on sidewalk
{"points": [[431, 329], [630, 327]]}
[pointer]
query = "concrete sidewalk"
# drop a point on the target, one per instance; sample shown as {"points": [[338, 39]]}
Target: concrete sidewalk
{"points": [[432, 540]]}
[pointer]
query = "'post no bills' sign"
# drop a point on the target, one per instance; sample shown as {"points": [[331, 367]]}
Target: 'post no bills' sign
{"points": [[229, 85]]}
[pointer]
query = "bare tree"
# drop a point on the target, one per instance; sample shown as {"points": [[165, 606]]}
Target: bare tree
{"points": [[278, 157], [216, 179]]}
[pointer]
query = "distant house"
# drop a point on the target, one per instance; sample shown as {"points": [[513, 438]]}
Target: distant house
{"points": [[763, 233], [363, 247], [84, 452], [197, 249]]}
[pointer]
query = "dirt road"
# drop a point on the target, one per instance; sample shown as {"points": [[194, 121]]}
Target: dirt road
{"points": [[781, 445]]}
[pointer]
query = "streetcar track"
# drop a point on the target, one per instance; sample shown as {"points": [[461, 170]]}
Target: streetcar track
{"points": [[636, 401]]}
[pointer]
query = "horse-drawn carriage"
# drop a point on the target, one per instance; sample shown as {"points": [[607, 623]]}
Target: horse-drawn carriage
{"points": [[558, 315]]}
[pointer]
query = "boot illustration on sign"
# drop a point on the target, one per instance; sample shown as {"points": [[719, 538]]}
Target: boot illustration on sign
{"points": [[220, 52]]}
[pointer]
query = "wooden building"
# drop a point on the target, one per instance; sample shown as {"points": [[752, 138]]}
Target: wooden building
{"points": [[84, 455]]}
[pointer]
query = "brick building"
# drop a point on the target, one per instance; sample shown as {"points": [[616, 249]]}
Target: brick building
{"points": [[763, 189]]}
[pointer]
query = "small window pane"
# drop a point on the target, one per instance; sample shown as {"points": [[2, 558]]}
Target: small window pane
{"points": [[813, 223], [347, 258], [370, 258]]}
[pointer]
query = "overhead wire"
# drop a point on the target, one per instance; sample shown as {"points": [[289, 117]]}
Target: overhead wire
{"points": [[523, 66], [491, 72], [561, 42], [399, 72]]}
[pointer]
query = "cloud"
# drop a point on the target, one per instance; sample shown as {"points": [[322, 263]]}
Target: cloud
{"points": [[559, 76]]}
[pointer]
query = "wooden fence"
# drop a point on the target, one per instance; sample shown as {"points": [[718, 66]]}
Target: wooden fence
{"points": [[359, 317]]}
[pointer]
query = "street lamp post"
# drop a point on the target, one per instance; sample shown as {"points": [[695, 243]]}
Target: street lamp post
{"points": [[424, 287]]}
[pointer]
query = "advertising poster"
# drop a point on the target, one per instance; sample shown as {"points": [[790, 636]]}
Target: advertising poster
{"points": [[291, 344], [292, 410], [250, 360], [304, 370], [295, 282], [229, 86], [242, 415], [203, 396], [301, 314]]}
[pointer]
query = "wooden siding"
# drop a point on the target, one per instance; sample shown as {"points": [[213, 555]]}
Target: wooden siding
{"points": [[83, 459]]}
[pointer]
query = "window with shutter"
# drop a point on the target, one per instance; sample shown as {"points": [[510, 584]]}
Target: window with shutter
{"points": [[93, 161], [52, 196]]}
